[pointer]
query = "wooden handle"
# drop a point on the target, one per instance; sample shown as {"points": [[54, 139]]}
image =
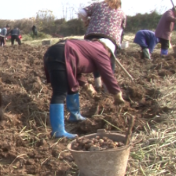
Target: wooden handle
{"points": [[129, 132]]}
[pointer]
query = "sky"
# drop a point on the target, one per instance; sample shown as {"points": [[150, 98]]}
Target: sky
{"points": [[68, 9]]}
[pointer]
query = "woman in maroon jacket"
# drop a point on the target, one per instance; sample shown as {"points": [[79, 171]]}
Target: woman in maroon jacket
{"points": [[164, 29], [64, 63]]}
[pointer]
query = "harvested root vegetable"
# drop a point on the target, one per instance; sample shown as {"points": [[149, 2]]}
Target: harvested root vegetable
{"points": [[95, 144]]}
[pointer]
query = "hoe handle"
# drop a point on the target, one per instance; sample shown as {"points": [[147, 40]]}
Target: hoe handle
{"points": [[172, 3], [124, 69], [129, 132]]}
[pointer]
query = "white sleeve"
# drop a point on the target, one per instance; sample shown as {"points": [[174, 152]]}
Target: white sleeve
{"points": [[82, 13]]}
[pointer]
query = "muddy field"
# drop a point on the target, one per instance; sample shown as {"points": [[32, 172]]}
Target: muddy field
{"points": [[26, 147]]}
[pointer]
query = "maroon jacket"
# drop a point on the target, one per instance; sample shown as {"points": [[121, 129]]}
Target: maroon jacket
{"points": [[83, 56], [166, 25]]}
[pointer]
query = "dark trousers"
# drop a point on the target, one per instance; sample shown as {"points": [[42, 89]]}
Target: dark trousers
{"points": [[122, 37], [164, 44], [143, 47], [34, 32], [55, 64], [2, 41], [15, 37]]}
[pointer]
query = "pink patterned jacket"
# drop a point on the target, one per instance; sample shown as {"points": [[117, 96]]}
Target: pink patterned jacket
{"points": [[105, 21]]}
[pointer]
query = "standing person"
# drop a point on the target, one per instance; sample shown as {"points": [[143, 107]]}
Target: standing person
{"points": [[3, 35], [122, 30], [15, 36], [64, 64], [34, 30], [147, 41], [164, 30], [104, 22]]}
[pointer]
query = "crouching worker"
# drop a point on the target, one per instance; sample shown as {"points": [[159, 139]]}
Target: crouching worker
{"points": [[15, 36], [147, 41], [64, 63]]}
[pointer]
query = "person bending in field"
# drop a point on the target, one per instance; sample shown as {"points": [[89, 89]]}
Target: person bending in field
{"points": [[64, 64], [105, 21], [3, 35], [14, 33], [165, 28], [147, 41]]}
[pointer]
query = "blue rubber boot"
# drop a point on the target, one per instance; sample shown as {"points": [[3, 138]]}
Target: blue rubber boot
{"points": [[57, 121], [72, 102], [164, 52]]}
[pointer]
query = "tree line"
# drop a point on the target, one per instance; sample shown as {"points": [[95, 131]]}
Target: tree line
{"points": [[47, 23]]}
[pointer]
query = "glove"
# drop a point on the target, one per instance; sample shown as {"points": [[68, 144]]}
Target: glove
{"points": [[146, 53], [90, 89], [118, 99]]}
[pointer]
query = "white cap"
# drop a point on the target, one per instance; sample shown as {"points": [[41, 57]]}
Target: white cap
{"points": [[109, 44], [82, 14]]}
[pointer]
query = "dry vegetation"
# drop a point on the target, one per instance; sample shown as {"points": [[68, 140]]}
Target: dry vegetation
{"points": [[26, 147]]}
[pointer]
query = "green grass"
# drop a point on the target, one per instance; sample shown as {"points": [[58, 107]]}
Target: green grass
{"points": [[27, 39]]}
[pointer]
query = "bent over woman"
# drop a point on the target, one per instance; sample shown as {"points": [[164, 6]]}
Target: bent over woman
{"points": [[64, 63]]}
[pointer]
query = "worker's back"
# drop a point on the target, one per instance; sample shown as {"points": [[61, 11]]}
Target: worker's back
{"points": [[4, 31], [15, 31]]}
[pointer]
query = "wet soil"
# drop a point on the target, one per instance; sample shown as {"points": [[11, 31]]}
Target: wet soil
{"points": [[26, 147]]}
